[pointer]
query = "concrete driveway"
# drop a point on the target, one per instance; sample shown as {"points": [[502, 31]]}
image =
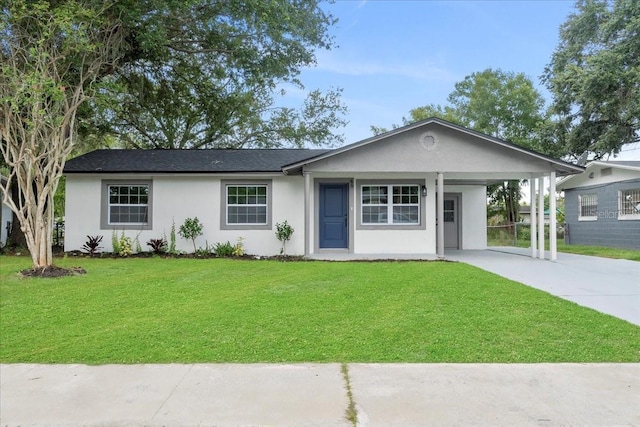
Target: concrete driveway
{"points": [[611, 286]]}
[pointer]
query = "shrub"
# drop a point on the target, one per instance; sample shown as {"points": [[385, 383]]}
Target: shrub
{"points": [[92, 245], [125, 246], [284, 232], [158, 246], [223, 249], [204, 252], [191, 229], [238, 249]]}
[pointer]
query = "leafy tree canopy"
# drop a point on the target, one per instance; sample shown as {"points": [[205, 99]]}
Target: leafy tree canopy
{"points": [[594, 76], [204, 73], [501, 104]]}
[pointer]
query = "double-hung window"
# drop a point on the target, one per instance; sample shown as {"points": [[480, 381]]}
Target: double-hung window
{"points": [[126, 204], [629, 204], [588, 207], [390, 204], [246, 205]]}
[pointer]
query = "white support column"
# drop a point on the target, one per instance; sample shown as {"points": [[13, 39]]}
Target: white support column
{"points": [[440, 211], [307, 213], [553, 244], [541, 217], [534, 237]]}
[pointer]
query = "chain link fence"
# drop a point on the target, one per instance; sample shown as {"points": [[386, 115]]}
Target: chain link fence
{"points": [[517, 234]]}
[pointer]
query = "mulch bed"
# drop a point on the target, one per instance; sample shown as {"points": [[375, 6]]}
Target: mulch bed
{"points": [[53, 271]]}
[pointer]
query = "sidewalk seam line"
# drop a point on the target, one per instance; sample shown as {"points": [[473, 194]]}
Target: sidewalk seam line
{"points": [[351, 414], [164, 402]]}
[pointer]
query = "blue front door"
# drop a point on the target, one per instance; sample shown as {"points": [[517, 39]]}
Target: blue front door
{"points": [[334, 216]]}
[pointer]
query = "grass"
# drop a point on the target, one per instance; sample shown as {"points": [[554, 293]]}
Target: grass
{"points": [[601, 251], [220, 310]]}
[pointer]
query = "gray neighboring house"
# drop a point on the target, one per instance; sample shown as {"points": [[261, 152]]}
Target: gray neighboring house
{"points": [[602, 205]]}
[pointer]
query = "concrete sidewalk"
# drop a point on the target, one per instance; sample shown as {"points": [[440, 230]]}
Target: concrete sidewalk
{"points": [[611, 286], [316, 395]]}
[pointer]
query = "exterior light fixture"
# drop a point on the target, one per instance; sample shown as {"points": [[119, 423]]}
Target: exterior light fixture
{"points": [[424, 191]]}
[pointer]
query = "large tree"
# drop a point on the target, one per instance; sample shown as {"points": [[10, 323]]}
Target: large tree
{"points": [[50, 57], [156, 73], [594, 76], [501, 104], [205, 73]]}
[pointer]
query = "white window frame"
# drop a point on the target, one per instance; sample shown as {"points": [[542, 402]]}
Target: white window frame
{"points": [[390, 205], [224, 204], [586, 198], [105, 215], [139, 205], [629, 199]]}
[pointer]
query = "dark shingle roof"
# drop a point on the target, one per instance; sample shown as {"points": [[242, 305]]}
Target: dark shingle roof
{"points": [[187, 161]]}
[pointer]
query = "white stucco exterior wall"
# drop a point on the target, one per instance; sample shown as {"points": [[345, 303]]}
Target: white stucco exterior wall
{"points": [[177, 197], [473, 215]]}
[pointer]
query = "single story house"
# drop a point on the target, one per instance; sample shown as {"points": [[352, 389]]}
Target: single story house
{"points": [[419, 189], [602, 205]]}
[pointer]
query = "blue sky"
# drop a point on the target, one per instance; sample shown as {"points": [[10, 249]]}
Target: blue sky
{"points": [[395, 55]]}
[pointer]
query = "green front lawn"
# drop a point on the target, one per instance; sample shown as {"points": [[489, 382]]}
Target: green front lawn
{"points": [[601, 251], [219, 310]]}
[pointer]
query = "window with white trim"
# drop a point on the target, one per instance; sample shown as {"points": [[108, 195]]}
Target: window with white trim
{"points": [[588, 206], [128, 204], [390, 204], [629, 204], [246, 204]]}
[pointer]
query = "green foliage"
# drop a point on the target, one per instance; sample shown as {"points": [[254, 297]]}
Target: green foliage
{"points": [[501, 104], [52, 53], [238, 248], [172, 237], [373, 312], [594, 77], [137, 245], [223, 250], [191, 229], [207, 73], [125, 246], [204, 252], [115, 242], [284, 231]]}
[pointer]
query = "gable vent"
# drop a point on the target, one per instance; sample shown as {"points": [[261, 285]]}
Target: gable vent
{"points": [[605, 172]]}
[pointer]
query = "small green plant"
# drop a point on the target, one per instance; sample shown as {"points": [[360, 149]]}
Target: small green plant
{"points": [[284, 232], [223, 250], [191, 229], [92, 245], [138, 247], [204, 252], [158, 246], [238, 248], [172, 238], [115, 242], [125, 246]]}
